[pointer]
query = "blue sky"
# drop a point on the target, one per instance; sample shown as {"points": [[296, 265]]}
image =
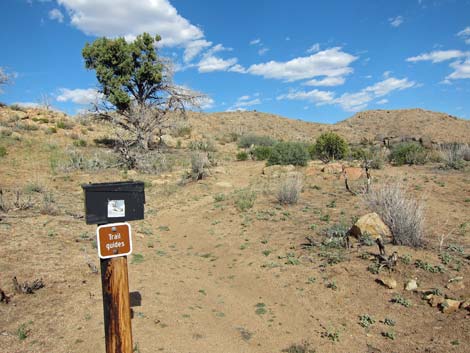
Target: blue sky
{"points": [[311, 60]]}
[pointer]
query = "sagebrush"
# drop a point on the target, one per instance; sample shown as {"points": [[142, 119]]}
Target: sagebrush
{"points": [[402, 213], [290, 189]]}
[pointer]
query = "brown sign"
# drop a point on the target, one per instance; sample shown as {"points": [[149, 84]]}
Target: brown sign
{"points": [[114, 240]]}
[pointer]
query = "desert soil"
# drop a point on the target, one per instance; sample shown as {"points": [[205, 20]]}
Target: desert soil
{"points": [[216, 279]]}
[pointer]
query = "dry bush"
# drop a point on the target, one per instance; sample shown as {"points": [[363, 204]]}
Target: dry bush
{"points": [[290, 189], [453, 156], [199, 165], [402, 213]]}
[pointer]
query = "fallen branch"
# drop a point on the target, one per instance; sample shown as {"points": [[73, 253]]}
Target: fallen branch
{"points": [[27, 288]]}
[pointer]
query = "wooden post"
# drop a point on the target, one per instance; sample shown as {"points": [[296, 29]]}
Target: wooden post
{"points": [[116, 305]]}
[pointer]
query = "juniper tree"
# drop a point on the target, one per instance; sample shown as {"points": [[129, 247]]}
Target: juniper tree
{"points": [[136, 86]]}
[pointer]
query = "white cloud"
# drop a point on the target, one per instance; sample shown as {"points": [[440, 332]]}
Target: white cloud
{"points": [[388, 85], [465, 35], [314, 48], [437, 56], [114, 18], [56, 14], [352, 101], [79, 95], [206, 103], [243, 102], [396, 21], [255, 41], [263, 51], [382, 101], [331, 63], [212, 63], [461, 70], [314, 96], [461, 66], [194, 48], [327, 81], [237, 68]]}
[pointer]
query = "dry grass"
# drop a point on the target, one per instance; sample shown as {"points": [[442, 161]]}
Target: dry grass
{"points": [[290, 189], [403, 214]]}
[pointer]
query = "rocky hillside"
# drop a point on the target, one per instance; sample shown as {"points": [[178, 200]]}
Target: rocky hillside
{"points": [[411, 123], [395, 124]]}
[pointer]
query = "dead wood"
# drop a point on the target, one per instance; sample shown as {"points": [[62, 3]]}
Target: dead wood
{"points": [[26, 287]]}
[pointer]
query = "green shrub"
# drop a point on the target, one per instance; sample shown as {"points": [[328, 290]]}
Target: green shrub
{"points": [[79, 143], [374, 157], [262, 153], [184, 130], [63, 124], [18, 108], [202, 145], [245, 199], [408, 153], [3, 151], [246, 141], [330, 146], [51, 130], [285, 153], [242, 156]]}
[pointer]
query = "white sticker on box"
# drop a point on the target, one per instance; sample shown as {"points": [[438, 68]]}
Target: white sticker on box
{"points": [[116, 208]]}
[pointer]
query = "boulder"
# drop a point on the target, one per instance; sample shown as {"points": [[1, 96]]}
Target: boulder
{"points": [[411, 285], [435, 300], [372, 225], [169, 141], [275, 171], [465, 305], [388, 282], [450, 305], [333, 168]]}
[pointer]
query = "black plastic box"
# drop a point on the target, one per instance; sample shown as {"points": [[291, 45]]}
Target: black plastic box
{"points": [[114, 202]]}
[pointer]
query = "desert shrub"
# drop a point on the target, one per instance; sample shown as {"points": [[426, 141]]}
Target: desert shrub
{"points": [[453, 155], [403, 214], [27, 127], [3, 151], [18, 108], [290, 189], [182, 130], [330, 146], [155, 162], [64, 124], [247, 141], [79, 143], [202, 145], [374, 157], [284, 153], [304, 347], [51, 130], [262, 153], [408, 153], [200, 164], [76, 160], [106, 141], [242, 156], [245, 199], [4, 132]]}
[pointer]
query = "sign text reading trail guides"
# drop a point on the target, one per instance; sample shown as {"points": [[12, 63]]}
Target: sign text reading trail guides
{"points": [[114, 240]]}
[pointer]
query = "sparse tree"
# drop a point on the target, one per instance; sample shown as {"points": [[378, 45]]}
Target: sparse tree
{"points": [[5, 78], [136, 85]]}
